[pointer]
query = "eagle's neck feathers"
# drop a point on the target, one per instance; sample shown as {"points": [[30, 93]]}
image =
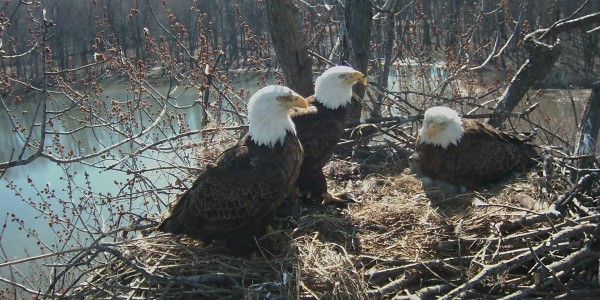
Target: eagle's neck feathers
{"points": [[332, 96], [268, 126], [448, 132]]}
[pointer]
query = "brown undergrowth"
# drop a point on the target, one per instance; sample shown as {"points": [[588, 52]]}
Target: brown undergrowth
{"points": [[534, 235]]}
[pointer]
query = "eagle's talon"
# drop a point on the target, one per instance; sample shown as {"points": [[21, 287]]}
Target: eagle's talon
{"points": [[363, 130]]}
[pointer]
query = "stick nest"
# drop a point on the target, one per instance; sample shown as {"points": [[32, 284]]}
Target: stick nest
{"points": [[533, 235]]}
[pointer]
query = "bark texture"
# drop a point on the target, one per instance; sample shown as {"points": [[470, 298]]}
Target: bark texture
{"points": [[291, 45], [541, 60], [587, 138], [359, 16]]}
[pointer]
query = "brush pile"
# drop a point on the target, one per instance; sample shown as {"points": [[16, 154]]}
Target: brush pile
{"points": [[533, 235]]}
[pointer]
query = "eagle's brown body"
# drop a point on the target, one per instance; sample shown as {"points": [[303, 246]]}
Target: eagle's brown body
{"points": [[483, 155], [232, 200], [319, 130]]}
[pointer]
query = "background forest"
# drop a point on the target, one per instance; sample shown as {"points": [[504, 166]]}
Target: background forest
{"points": [[110, 108], [194, 32]]}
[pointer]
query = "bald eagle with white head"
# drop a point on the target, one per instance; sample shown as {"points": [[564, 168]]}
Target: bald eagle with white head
{"points": [[321, 126], [233, 200], [467, 153]]}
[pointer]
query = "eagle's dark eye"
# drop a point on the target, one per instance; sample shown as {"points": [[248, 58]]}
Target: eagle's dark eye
{"points": [[279, 98], [443, 123], [342, 76]]}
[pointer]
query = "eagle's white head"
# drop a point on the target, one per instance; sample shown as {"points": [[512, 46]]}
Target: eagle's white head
{"points": [[268, 116], [441, 127], [334, 87]]}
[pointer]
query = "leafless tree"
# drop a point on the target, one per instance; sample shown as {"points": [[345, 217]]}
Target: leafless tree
{"points": [[178, 66]]}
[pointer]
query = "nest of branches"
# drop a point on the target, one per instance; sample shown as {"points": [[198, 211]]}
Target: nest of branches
{"points": [[533, 235]]}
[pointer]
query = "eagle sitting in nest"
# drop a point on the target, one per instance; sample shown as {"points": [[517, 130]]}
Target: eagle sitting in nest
{"points": [[462, 154]]}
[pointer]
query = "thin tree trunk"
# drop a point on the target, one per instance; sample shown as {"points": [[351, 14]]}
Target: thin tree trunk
{"points": [[359, 16], [587, 137], [339, 48], [291, 45], [387, 63], [541, 60]]}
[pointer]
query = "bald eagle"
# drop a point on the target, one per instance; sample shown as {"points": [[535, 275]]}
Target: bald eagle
{"points": [[321, 126], [467, 153], [231, 201]]}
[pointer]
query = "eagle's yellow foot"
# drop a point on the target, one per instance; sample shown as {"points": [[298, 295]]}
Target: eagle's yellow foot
{"points": [[363, 130], [342, 198]]}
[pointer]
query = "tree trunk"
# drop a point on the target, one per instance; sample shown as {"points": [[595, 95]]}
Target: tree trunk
{"points": [[291, 45], [359, 16], [587, 137], [232, 34], [426, 26], [388, 45], [541, 59], [340, 48]]}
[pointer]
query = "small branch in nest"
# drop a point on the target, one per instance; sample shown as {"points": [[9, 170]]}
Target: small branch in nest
{"points": [[553, 212], [564, 264], [502, 266], [450, 244], [378, 276], [543, 270], [482, 203], [427, 292], [393, 287], [590, 293], [396, 120]]}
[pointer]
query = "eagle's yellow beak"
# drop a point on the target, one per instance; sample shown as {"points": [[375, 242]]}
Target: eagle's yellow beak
{"points": [[432, 130], [292, 101], [357, 77]]}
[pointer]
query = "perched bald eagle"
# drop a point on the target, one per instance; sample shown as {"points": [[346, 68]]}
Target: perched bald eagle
{"points": [[321, 126], [467, 153], [231, 201]]}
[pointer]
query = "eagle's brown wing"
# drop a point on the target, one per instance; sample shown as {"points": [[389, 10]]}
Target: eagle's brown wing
{"points": [[243, 188], [483, 155], [319, 132]]}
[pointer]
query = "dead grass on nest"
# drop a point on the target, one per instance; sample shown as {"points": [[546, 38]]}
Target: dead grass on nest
{"points": [[400, 241], [395, 219], [327, 270]]}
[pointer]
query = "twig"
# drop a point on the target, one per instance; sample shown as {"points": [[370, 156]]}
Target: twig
{"points": [[393, 286], [376, 276], [521, 258], [43, 256], [553, 212], [427, 292], [24, 288], [576, 257]]}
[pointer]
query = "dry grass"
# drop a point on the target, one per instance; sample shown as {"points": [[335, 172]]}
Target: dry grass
{"points": [[400, 241]]}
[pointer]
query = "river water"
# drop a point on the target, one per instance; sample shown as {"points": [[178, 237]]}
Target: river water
{"points": [[43, 181], [39, 198]]}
